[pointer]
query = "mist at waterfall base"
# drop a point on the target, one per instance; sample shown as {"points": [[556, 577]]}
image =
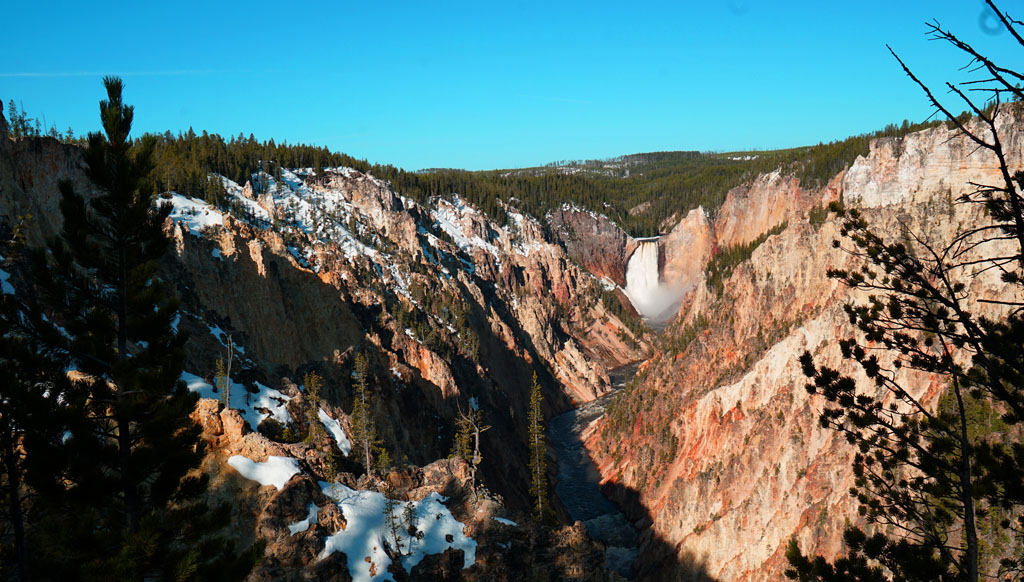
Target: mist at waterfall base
{"points": [[656, 301]]}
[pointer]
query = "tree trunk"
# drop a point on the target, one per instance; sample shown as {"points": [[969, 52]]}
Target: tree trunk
{"points": [[17, 517], [124, 436], [967, 491]]}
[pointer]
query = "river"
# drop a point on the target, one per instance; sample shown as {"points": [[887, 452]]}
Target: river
{"points": [[578, 480]]}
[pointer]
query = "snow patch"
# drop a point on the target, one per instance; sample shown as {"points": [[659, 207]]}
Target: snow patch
{"points": [[264, 403], [334, 427], [5, 287], [505, 521], [449, 217], [301, 526], [274, 471], [366, 531], [195, 214]]}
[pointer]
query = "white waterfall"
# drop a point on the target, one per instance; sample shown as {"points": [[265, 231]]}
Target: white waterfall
{"points": [[655, 300], [642, 274]]}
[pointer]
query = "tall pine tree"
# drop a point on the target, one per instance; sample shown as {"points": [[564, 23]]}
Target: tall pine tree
{"points": [[364, 432], [538, 453], [130, 501]]}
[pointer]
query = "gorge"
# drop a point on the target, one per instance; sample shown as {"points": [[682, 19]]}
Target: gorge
{"points": [[684, 444]]}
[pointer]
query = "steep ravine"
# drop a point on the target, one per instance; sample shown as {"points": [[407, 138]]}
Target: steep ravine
{"points": [[578, 486]]}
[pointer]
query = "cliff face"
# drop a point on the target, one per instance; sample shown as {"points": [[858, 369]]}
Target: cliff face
{"points": [[30, 171], [595, 241], [302, 274], [718, 443]]}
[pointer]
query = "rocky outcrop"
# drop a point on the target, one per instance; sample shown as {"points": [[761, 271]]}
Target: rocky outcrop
{"points": [[30, 171], [295, 542], [686, 249], [596, 242], [718, 445]]}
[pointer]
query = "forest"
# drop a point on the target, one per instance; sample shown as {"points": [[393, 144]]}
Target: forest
{"points": [[643, 192]]}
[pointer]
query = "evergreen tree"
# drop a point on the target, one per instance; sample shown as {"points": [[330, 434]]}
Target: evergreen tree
{"points": [[392, 521], [130, 504], [313, 384], [538, 453], [316, 434], [364, 433]]}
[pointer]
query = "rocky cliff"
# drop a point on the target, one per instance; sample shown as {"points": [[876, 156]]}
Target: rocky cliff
{"points": [[716, 445], [594, 241], [299, 274], [319, 531]]}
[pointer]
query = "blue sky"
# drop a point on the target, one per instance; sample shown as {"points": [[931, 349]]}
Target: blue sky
{"points": [[483, 85]]}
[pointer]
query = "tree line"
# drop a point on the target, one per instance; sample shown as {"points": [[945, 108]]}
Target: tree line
{"points": [[643, 192]]}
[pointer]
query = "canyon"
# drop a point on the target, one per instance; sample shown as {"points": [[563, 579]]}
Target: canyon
{"points": [[716, 445], [712, 451]]}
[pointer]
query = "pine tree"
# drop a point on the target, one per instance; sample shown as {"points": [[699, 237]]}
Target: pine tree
{"points": [[131, 507], [538, 453], [316, 434], [364, 433], [392, 521], [313, 384]]}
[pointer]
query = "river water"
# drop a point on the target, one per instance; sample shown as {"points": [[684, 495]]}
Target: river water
{"points": [[578, 480]]}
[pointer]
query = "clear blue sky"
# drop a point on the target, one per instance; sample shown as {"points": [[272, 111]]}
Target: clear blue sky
{"points": [[485, 84]]}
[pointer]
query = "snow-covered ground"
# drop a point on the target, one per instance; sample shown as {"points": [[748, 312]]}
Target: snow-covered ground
{"points": [[254, 407], [334, 427], [367, 532], [274, 471], [195, 214]]}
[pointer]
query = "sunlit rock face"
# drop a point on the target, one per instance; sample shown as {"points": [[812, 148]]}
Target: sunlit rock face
{"points": [[718, 443]]}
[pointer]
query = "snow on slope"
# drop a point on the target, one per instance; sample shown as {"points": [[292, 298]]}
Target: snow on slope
{"points": [[334, 427], [274, 471], [195, 214], [254, 407], [449, 215], [367, 531]]}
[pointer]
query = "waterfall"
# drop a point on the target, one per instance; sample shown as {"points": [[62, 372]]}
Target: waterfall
{"points": [[642, 276], [654, 299]]}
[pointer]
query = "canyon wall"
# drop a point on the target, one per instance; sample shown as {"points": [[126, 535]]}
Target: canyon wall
{"points": [[717, 444], [594, 241], [449, 307]]}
